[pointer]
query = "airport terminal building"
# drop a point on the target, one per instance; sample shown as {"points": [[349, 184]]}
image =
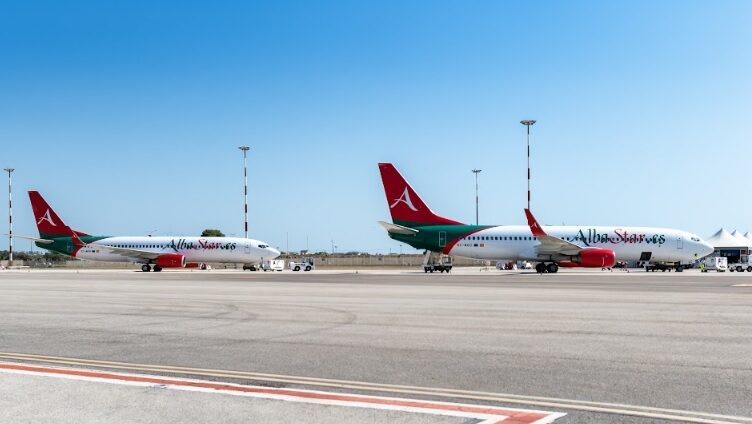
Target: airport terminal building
{"points": [[733, 246]]}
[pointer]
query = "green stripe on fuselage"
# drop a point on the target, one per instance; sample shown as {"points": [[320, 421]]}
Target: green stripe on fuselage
{"points": [[65, 245], [430, 237]]}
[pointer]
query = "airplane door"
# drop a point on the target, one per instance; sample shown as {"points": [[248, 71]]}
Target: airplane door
{"points": [[442, 238], [247, 248], [680, 243]]}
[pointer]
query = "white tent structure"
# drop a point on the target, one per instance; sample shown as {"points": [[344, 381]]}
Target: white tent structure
{"points": [[730, 246], [747, 242], [748, 235]]}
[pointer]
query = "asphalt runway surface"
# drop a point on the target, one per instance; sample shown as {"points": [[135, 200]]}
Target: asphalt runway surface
{"points": [[588, 344]]}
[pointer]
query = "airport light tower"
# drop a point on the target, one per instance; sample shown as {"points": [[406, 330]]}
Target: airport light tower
{"points": [[476, 172], [528, 123], [245, 184], [10, 215]]}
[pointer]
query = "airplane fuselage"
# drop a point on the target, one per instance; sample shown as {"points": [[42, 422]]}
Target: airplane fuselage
{"points": [[195, 249], [516, 242]]}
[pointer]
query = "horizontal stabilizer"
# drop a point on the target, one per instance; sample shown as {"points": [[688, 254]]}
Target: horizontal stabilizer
{"points": [[398, 229], [36, 239]]}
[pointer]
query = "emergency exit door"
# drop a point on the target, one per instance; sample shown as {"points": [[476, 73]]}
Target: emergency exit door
{"points": [[680, 243]]}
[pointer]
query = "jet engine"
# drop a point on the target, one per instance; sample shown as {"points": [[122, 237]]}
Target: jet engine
{"points": [[597, 258], [171, 260]]}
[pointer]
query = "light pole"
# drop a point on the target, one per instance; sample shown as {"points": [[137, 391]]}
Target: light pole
{"points": [[476, 172], [10, 215], [245, 184], [528, 123]]}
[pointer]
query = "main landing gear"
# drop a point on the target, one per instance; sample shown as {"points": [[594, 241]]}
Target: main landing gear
{"points": [[147, 268], [552, 268]]}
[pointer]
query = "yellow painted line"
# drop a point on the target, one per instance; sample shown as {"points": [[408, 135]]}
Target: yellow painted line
{"points": [[549, 402]]}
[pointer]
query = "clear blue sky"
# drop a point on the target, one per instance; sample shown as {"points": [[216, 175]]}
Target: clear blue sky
{"points": [[127, 115]]}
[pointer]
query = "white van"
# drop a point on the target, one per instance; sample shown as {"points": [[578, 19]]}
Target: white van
{"points": [[273, 265], [717, 263]]}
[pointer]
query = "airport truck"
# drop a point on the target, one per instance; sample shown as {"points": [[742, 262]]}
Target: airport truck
{"points": [[741, 266], [715, 263], [273, 265], [306, 264], [436, 262]]}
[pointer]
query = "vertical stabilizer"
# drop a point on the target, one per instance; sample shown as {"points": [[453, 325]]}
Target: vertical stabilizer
{"points": [[406, 207]]}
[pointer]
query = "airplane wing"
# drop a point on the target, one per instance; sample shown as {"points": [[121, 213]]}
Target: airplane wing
{"points": [[129, 253], [36, 239], [550, 245], [398, 229]]}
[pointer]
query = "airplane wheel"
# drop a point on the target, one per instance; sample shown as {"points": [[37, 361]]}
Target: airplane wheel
{"points": [[540, 268], [145, 268], [157, 268], [552, 268]]}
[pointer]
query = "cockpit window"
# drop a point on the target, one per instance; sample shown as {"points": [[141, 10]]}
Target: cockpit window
{"points": [[263, 246]]}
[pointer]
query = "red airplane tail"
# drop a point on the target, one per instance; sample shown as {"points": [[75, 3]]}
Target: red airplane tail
{"points": [[406, 207], [48, 222]]}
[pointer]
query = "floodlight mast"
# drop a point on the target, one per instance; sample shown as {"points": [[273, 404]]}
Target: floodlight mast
{"points": [[528, 123], [245, 184]]}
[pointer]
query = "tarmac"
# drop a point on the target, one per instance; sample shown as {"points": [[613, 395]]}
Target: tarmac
{"points": [[600, 347]]}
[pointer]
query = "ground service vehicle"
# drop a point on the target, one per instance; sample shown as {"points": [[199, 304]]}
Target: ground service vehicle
{"points": [[433, 262], [306, 264], [744, 265], [273, 265], [715, 263]]}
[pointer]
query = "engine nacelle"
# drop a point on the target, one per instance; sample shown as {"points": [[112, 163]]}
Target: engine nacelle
{"points": [[171, 260], [597, 258]]}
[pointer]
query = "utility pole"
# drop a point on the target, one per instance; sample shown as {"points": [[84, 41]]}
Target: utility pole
{"points": [[245, 184], [476, 172], [528, 123], [10, 215]]}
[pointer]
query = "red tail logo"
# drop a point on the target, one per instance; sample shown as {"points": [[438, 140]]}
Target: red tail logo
{"points": [[406, 207], [48, 218], [405, 198]]}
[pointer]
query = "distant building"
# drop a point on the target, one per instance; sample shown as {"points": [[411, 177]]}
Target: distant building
{"points": [[733, 246]]}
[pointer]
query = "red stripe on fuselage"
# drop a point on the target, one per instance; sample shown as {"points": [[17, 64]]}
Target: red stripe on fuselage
{"points": [[451, 244]]}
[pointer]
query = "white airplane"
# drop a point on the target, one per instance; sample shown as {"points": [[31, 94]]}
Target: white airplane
{"points": [[161, 252], [590, 246]]}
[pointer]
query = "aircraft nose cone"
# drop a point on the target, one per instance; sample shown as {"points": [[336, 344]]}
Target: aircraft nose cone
{"points": [[275, 253], [707, 249]]}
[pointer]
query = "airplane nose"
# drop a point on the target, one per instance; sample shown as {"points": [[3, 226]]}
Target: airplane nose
{"points": [[707, 249], [274, 252]]}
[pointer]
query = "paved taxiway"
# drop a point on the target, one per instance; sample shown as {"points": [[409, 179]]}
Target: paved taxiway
{"points": [[672, 341]]}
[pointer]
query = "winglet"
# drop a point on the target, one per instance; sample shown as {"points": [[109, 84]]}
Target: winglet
{"points": [[535, 228]]}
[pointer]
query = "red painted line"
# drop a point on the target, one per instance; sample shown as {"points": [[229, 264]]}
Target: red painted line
{"points": [[513, 416]]}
